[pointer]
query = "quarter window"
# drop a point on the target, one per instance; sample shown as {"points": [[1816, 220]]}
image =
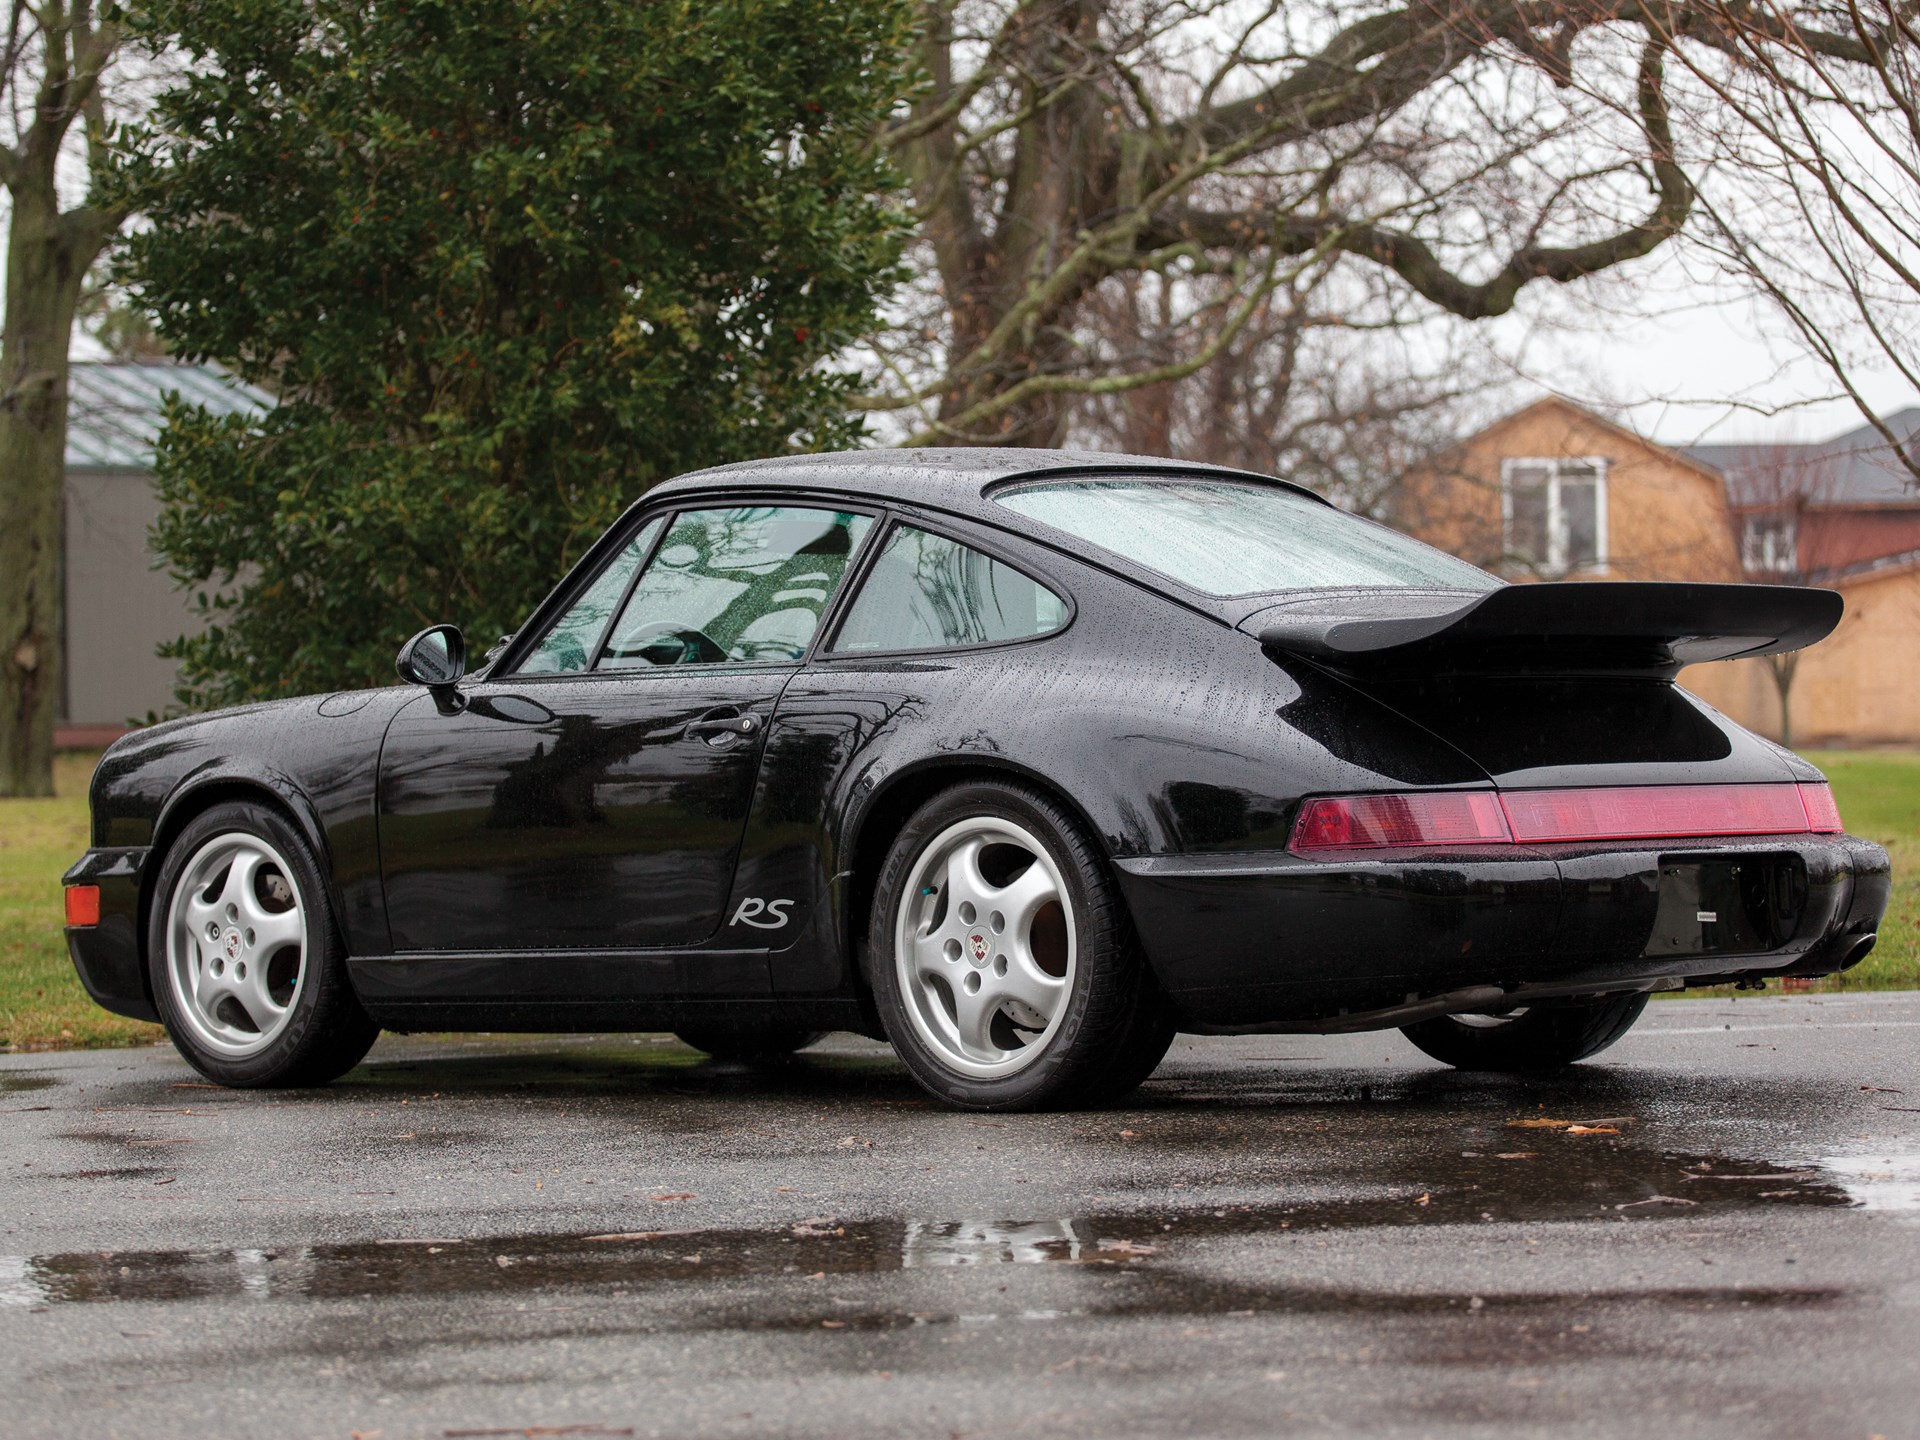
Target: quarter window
{"points": [[739, 586], [926, 592], [1554, 514], [569, 646]]}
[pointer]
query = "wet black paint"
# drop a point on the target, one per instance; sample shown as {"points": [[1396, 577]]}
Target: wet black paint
{"points": [[568, 855]]}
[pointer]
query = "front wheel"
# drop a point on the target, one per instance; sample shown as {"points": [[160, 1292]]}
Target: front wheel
{"points": [[249, 973], [1004, 964], [1535, 1037]]}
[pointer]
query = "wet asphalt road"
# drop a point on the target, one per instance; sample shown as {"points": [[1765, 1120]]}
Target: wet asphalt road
{"points": [[1279, 1236]]}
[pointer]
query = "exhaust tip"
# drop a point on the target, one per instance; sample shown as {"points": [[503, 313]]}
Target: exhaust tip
{"points": [[1859, 950]]}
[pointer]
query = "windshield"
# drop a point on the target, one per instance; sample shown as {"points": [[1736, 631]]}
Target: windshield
{"points": [[1238, 537]]}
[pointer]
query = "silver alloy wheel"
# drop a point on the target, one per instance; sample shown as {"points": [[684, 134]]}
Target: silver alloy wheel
{"points": [[984, 947], [236, 944]]}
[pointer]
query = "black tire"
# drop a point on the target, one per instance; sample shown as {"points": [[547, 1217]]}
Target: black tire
{"points": [[1110, 1026], [750, 1045], [1541, 1037], [326, 1032]]}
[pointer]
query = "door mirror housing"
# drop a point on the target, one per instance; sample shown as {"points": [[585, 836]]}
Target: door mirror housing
{"points": [[436, 657]]}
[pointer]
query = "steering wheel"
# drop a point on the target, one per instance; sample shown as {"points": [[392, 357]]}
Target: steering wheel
{"points": [[671, 644]]}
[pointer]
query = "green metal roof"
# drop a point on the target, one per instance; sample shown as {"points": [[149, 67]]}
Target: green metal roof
{"points": [[114, 409]]}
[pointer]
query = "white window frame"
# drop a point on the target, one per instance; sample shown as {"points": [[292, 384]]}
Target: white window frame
{"points": [[1555, 561], [1753, 556]]}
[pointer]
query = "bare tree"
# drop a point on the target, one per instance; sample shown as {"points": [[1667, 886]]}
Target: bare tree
{"points": [[1468, 148], [1809, 120], [1333, 381], [56, 53], [1779, 495]]}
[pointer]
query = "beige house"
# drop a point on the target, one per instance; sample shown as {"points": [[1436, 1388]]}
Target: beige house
{"points": [[1555, 492], [118, 608]]}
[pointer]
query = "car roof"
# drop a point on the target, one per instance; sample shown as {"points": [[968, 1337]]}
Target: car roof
{"points": [[952, 479]]}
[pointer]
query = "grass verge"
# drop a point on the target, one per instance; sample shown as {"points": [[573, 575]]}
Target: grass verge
{"points": [[1879, 796], [43, 1007], [41, 1003]]}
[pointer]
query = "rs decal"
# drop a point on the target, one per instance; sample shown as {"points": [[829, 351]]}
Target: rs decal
{"points": [[753, 907]]}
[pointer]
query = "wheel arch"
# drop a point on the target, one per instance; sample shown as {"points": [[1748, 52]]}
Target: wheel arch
{"points": [[199, 795], [878, 822]]}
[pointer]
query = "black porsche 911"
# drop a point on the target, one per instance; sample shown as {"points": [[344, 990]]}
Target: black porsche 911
{"points": [[1022, 761]]}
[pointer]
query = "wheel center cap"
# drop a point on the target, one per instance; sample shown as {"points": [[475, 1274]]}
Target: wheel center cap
{"points": [[230, 943], [978, 947]]}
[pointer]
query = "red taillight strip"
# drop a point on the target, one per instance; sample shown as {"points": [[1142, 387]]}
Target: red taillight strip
{"points": [[1627, 812]]}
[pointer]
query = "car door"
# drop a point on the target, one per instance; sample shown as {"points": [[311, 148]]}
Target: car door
{"points": [[594, 798]]}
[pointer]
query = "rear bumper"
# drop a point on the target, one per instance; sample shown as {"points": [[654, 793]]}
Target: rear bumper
{"points": [[1255, 938], [107, 955]]}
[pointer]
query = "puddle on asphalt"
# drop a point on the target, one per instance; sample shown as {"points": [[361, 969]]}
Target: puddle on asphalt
{"points": [[11, 1080], [1877, 1181], [1561, 1178]]}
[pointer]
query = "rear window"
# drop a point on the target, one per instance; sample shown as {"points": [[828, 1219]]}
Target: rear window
{"points": [[1238, 537]]}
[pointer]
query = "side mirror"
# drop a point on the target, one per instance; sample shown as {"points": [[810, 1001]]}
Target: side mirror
{"points": [[436, 657]]}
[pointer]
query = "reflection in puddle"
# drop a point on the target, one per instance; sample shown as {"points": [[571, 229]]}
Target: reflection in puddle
{"points": [[1878, 1182], [23, 1080], [929, 1245], [1561, 1179]]}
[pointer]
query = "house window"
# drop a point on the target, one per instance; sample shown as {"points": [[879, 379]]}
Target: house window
{"points": [[1771, 543], [1554, 514]]}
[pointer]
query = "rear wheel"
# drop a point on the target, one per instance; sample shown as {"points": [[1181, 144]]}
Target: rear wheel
{"points": [[248, 970], [1005, 967], [1536, 1037], [751, 1045]]}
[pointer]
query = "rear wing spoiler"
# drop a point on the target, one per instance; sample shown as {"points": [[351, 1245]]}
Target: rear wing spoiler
{"points": [[1580, 627]]}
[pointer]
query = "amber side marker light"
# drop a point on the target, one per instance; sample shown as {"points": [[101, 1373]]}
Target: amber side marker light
{"points": [[1535, 817], [83, 904]]}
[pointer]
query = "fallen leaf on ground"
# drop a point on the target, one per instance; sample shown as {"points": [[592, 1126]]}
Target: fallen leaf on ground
{"points": [[1593, 1129], [678, 1195], [1127, 1247], [640, 1235], [1544, 1123], [1424, 1198]]}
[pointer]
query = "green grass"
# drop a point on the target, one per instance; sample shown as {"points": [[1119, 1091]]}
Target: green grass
{"points": [[42, 1005], [1879, 796]]}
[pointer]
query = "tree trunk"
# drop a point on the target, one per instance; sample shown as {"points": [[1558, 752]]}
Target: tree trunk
{"points": [[1782, 667], [47, 257]]}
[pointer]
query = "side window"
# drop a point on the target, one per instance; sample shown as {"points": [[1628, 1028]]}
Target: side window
{"points": [[568, 647], [926, 592], [735, 586]]}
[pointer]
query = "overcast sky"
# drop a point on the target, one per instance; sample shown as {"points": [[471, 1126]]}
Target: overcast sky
{"points": [[1682, 359]]}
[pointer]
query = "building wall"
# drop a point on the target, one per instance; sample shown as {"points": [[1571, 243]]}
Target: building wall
{"points": [[1859, 686], [1666, 518], [118, 607]]}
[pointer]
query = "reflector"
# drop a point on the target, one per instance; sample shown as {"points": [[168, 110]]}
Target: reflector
{"points": [[1624, 812], [1655, 812], [83, 904]]}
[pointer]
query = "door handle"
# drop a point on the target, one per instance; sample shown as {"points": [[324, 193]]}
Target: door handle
{"points": [[715, 727]]}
